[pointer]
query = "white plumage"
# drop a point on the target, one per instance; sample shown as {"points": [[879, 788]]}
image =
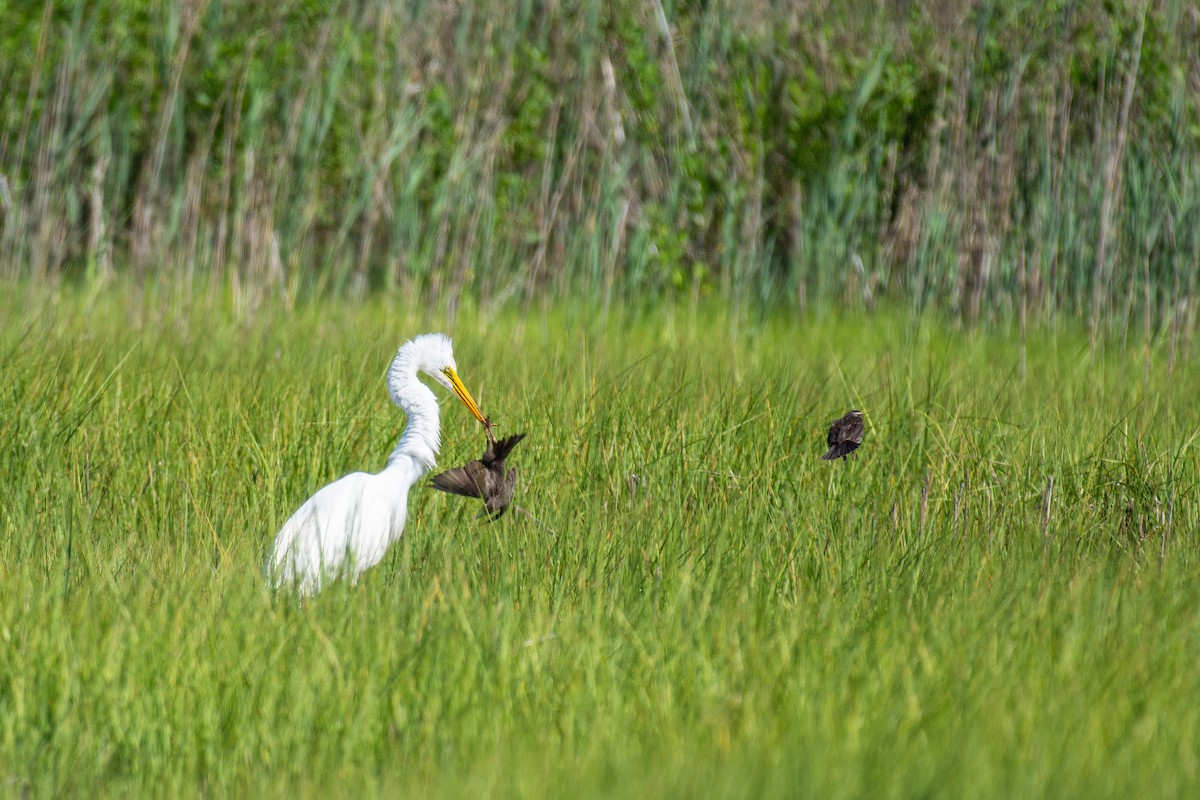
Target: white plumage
{"points": [[347, 526]]}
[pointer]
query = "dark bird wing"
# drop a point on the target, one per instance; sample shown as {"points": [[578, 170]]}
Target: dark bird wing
{"points": [[834, 440], [468, 481], [853, 431], [834, 433]]}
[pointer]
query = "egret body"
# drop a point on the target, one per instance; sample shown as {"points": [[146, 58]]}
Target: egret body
{"points": [[347, 526]]}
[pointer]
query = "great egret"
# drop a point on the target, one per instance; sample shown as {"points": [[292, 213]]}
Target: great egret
{"points": [[845, 435], [347, 526], [485, 478]]}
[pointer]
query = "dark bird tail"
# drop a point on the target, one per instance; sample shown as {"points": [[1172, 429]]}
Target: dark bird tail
{"points": [[503, 447], [838, 450]]}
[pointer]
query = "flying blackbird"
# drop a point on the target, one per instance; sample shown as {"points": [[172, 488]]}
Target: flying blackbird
{"points": [[845, 435], [485, 478]]}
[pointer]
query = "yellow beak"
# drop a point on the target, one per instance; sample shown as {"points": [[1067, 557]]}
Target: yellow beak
{"points": [[461, 393]]}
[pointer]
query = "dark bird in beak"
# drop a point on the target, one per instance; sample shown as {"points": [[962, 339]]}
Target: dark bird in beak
{"points": [[845, 435], [485, 478]]}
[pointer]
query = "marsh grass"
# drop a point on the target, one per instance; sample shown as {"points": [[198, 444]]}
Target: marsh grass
{"points": [[715, 613]]}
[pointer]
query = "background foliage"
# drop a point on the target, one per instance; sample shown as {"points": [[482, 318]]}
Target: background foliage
{"points": [[986, 158]]}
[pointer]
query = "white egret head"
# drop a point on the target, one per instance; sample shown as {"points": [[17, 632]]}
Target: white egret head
{"points": [[433, 354]]}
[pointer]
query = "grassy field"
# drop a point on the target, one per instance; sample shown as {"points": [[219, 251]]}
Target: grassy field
{"points": [[997, 598]]}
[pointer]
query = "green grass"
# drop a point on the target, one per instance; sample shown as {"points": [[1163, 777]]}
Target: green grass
{"points": [[740, 620]]}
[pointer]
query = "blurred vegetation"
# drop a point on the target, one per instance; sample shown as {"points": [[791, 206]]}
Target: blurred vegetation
{"points": [[982, 158]]}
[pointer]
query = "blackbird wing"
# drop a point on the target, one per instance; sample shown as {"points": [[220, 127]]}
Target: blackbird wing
{"points": [[468, 481], [853, 431], [832, 438]]}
